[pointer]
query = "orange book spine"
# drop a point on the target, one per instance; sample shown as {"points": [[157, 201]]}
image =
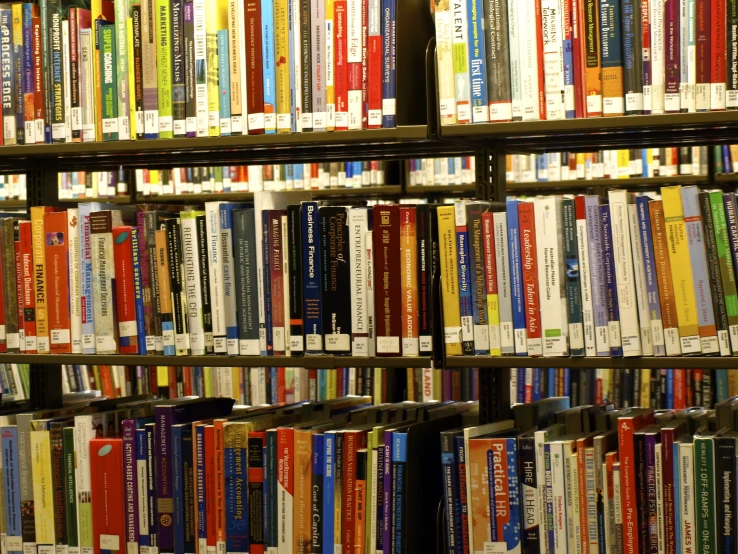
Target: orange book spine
{"points": [[409, 278], [29, 298], [106, 381], [303, 490], [39, 278], [57, 281]]}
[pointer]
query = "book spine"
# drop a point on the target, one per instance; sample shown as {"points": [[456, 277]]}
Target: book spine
{"points": [[731, 25], [632, 60], [56, 244], [11, 481], [125, 290], [340, 64], [659, 52], [593, 84], [569, 22], [207, 305], [178, 92], [212, 23], [306, 70], [9, 78], [389, 63], [285, 486], [516, 280], [255, 500], [502, 260], [229, 292], [311, 254], [460, 56], [529, 262], [270, 77], [255, 82], [192, 283], [165, 294], [408, 278], [465, 294], [375, 65], [274, 282], [702, 56], [358, 223], [718, 44], [236, 37], [40, 288], [387, 277], [281, 52], [296, 300], [532, 85], [103, 283], [639, 272], [597, 275], [704, 466], [188, 37], [664, 279], [106, 47], [444, 59], [651, 276], [215, 270], [672, 37], [43, 488], [553, 58], [39, 97], [149, 25], [647, 55], [449, 279], [137, 99], [163, 33], [295, 57], [26, 285], [244, 253], [145, 340], [336, 320], [56, 75], [727, 275], [130, 483], [9, 287], [27, 106], [122, 14], [143, 259], [611, 33], [574, 299]]}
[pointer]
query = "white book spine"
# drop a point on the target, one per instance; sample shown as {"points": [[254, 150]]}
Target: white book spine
{"points": [[75, 306], [540, 453], [658, 57], [692, 58], [529, 62], [354, 56], [554, 325], [215, 269], [644, 315], [590, 348], [513, 29], [623, 258], [370, 293], [686, 517], [553, 58], [573, 527], [294, 23], [201, 60], [445, 61], [559, 497], [504, 290], [358, 224], [191, 269], [590, 534], [462, 79], [245, 126], [102, 293]]}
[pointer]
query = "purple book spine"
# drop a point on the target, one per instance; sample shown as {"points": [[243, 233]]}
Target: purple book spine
{"points": [[129, 481], [380, 495], [597, 273], [673, 75], [164, 494], [387, 500], [189, 21], [649, 266]]}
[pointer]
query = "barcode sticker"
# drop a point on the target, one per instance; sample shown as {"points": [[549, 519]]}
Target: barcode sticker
{"points": [[109, 542], [278, 339], [314, 342], [481, 337], [452, 335], [521, 344], [495, 548], [426, 343], [127, 328], [671, 338], [724, 340], [30, 548], [46, 549], [284, 121], [710, 345]]}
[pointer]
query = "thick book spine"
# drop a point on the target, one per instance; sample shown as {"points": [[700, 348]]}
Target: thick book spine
{"points": [[476, 278], [229, 291], [274, 282], [718, 74], [165, 294], [358, 223], [424, 264], [703, 54], [295, 282], [496, 41], [28, 105], [244, 253], [254, 64], [597, 275], [149, 24], [449, 279], [705, 489], [108, 90], [311, 255], [163, 34], [639, 273], [56, 75], [516, 280], [592, 71], [137, 71], [337, 327], [504, 292], [553, 58], [103, 283], [612, 293], [354, 60], [444, 59], [726, 234], [124, 291], [387, 303], [40, 289], [179, 98], [192, 283], [176, 286], [138, 293], [56, 244], [389, 65], [7, 67], [268, 39], [573, 276], [611, 33], [651, 275], [409, 282], [465, 294], [661, 53], [590, 341], [282, 70], [529, 263], [318, 63], [207, 305], [374, 64], [672, 38], [39, 97], [664, 279], [215, 270], [632, 59]]}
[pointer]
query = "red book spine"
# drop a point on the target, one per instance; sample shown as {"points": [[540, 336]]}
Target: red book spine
{"points": [[106, 381], [387, 301], [39, 101], [108, 507], [577, 16], [719, 53], [679, 389], [277, 281], [210, 514], [667, 441], [57, 281], [627, 427], [646, 54], [375, 69], [281, 387], [529, 260], [703, 44], [340, 65], [188, 381], [3, 341], [220, 512], [541, 72], [124, 290], [352, 442], [19, 293], [490, 261], [364, 63], [254, 70], [598, 390], [285, 475]]}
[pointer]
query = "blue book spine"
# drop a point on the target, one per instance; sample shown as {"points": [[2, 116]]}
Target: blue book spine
{"points": [[608, 260], [273, 371], [138, 292], [298, 173], [29, 79], [141, 472], [536, 384], [644, 162], [597, 275], [202, 504], [387, 498], [178, 490], [389, 45], [721, 384], [311, 278], [649, 267], [224, 80], [450, 476], [12, 487], [551, 382], [569, 84], [541, 167], [236, 498], [399, 463], [317, 509], [329, 449], [521, 384], [477, 61], [268, 68], [669, 389], [516, 279], [227, 179], [726, 158], [229, 277], [267, 279], [451, 167], [567, 382]]}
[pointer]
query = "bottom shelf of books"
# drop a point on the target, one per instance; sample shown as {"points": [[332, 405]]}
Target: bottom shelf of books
{"points": [[187, 459]]}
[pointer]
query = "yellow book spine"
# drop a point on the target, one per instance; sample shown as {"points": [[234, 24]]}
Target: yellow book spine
{"points": [[207, 377], [216, 17], [39, 279], [623, 164], [493, 313], [649, 161], [449, 280], [132, 81], [282, 66], [237, 377], [162, 376], [645, 400], [681, 270], [330, 89], [43, 487]]}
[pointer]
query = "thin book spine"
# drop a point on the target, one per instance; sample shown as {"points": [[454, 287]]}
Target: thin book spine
{"points": [[672, 37], [502, 60], [179, 99], [611, 32], [122, 14], [149, 24], [164, 68]]}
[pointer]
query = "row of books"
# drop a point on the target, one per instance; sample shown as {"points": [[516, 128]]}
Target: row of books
{"points": [[93, 184], [13, 187], [606, 164], [251, 386], [593, 479], [215, 68], [14, 381], [286, 475], [564, 59], [558, 276], [268, 280], [424, 172]]}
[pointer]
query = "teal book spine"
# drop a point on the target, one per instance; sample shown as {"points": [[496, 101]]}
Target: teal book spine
{"points": [[224, 80]]}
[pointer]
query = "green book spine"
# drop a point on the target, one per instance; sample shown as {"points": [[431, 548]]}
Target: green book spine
{"points": [[106, 37], [704, 478], [724, 256], [122, 13], [164, 65], [70, 486]]}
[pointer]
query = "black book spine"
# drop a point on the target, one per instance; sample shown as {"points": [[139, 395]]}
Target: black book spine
{"points": [[57, 478], [256, 492], [632, 57], [178, 68], [636, 387], [335, 279], [627, 389], [174, 254], [294, 230], [641, 488], [725, 469], [267, 279], [497, 45], [188, 489], [207, 308], [707, 392], [137, 70], [424, 221], [244, 257], [189, 65], [529, 480], [307, 67]]}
